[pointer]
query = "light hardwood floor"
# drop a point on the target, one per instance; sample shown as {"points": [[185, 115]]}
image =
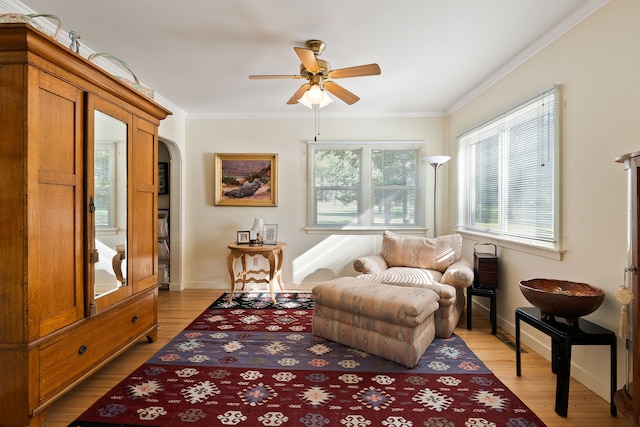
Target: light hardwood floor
{"points": [[536, 387]]}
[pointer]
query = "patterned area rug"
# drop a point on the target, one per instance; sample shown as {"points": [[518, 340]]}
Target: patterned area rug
{"points": [[250, 363]]}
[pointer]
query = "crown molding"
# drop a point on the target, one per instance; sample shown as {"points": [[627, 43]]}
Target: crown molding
{"points": [[307, 115]]}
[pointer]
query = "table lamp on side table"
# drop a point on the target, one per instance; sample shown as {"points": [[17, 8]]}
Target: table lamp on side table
{"points": [[255, 234]]}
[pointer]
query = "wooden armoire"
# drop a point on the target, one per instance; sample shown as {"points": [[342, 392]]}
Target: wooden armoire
{"points": [[78, 212], [627, 399]]}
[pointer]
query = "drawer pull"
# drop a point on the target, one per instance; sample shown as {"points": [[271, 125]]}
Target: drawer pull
{"points": [[82, 349], [134, 319]]}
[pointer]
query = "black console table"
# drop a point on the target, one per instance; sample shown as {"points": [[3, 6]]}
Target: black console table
{"points": [[563, 337]]}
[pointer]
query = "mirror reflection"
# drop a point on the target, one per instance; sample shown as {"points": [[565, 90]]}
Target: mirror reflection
{"points": [[110, 199]]}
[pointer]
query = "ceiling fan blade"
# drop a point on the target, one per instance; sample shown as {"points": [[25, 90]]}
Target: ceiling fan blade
{"points": [[298, 94], [274, 76], [341, 92], [308, 59], [361, 70]]}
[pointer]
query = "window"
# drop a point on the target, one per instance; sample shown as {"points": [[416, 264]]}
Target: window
{"points": [[104, 181], [508, 174], [365, 185]]}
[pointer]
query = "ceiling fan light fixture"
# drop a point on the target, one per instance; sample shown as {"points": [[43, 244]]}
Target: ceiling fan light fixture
{"points": [[326, 100], [315, 96]]}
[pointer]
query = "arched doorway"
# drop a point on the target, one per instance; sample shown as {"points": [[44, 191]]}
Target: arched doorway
{"points": [[171, 203]]}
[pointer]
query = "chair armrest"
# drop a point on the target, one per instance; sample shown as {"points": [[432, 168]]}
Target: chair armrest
{"points": [[371, 264], [458, 274]]}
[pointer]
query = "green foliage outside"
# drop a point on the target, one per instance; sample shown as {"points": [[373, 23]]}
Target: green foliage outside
{"points": [[337, 181]]}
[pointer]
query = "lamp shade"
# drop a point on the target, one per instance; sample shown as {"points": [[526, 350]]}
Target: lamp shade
{"points": [[436, 160], [258, 225], [315, 96]]}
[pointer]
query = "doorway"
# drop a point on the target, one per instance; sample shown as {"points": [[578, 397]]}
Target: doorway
{"points": [[169, 216]]}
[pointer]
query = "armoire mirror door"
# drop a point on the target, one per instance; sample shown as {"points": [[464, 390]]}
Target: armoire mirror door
{"points": [[107, 217]]}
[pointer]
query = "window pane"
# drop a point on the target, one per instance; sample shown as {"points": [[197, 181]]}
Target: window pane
{"points": [[485, 212], [393, 167], [394, 207], [337, 168], [530, 175], [337, 207], [102, 182]]}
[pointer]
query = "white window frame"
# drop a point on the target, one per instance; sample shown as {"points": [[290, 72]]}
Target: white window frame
{"points": [[499, 127], [366, 188]]}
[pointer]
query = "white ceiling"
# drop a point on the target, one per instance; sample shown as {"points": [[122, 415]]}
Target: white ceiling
{"points": [[434, 54]]}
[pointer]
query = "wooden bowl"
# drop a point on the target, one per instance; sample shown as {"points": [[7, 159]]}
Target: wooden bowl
{"points": [[562, 298]]}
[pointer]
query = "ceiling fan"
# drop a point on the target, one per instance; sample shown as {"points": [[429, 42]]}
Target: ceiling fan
{"points": [[318, 72]]}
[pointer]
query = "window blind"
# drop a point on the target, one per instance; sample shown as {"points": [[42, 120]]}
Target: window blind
{"points": [[508, 172]]}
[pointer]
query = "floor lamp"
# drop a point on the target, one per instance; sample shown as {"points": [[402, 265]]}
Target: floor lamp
{"points": [[436, 162]]}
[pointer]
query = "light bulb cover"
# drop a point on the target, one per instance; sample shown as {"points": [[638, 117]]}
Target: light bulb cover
{"points": [[315, 96], [326, 100]]}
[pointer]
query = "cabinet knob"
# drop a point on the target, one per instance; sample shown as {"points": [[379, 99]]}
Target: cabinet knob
{"points": [[134, 319], [82, 349]]}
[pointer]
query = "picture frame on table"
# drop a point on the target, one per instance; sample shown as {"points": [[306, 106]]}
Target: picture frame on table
{"points": [[242, 237], [245, 179], [270, 234]]}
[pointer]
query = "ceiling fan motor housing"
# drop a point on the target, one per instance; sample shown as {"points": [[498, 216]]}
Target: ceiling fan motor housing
{"points": [[323, 69], [317, 46]]}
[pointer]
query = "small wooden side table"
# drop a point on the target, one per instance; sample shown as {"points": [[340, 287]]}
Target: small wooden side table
{"points": [[274, 253], [563, 337]]}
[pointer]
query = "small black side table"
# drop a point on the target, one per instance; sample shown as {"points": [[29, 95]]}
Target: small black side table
{"points": [[483, 292], [563, 337]]}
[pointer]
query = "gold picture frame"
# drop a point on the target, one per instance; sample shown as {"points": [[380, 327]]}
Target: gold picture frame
{"points": [[243, 179]]}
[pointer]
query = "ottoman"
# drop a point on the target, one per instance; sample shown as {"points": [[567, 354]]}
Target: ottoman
{"points": [[393, 322]]}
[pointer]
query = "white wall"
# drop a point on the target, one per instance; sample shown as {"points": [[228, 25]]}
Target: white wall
{"points": [[308, 257], [598, 67]]}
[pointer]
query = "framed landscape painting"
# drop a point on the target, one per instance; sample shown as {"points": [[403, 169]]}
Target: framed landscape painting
{"points": [[246, 180]]}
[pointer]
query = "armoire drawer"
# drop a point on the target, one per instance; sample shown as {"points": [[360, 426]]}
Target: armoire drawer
{"points": [[93, 341]]}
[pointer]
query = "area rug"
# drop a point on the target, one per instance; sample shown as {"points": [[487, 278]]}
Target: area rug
{"points": [[253, 363]]}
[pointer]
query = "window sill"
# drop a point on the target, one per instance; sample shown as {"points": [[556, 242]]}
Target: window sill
{"points": [[551, 252]]}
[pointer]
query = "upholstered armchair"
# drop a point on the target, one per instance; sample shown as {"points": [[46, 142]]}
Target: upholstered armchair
{"points": [[432, 263]]}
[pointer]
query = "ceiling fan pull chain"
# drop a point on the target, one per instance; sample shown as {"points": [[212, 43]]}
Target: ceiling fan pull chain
{"points": [[316, 111]]}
